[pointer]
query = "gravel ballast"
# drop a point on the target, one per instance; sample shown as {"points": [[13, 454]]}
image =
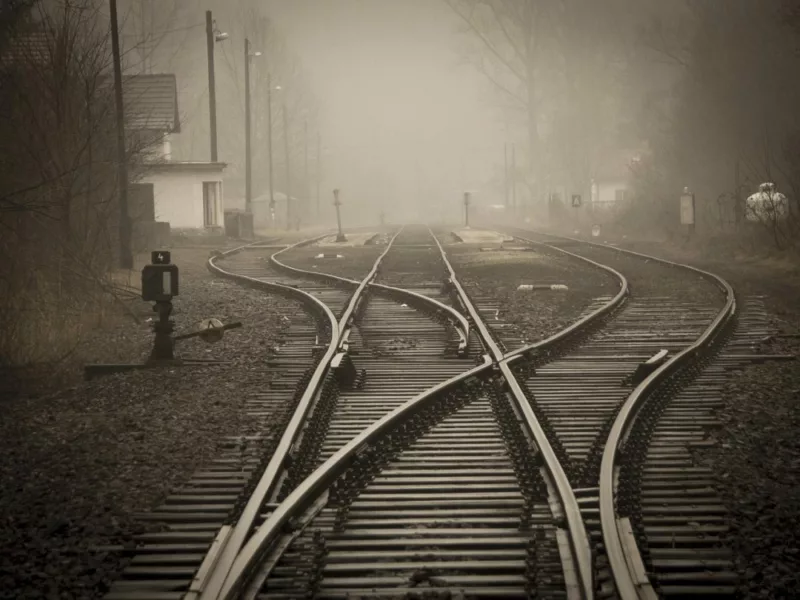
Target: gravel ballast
{"points": [[534, 313], [355, 261], [756, 460], [76, 466]]}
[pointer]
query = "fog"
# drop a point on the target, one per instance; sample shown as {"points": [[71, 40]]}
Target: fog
{"points": [[406, 124]]}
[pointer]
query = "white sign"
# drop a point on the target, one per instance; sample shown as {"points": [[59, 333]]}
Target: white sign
{"points": [[687, 209], [595, 230]]}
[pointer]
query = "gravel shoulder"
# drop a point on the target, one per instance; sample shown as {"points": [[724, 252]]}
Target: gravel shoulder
{"points": [[76, 466]]}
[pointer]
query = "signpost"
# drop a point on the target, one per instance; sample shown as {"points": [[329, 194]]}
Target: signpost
{"points": [[576, 200], [466, 209], [688, 210]]}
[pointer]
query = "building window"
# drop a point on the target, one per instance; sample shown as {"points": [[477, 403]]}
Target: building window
{"points": [[619, 195], [211, 199]]}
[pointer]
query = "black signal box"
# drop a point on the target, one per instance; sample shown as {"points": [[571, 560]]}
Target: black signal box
{"points": [[159, 282], [160, 257]]}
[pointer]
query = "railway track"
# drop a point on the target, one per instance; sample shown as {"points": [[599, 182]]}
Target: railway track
{"points": [[502, 496], [660, 527], [566, 468], [320, 398]]}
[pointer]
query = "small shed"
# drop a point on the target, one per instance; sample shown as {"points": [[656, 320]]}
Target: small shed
{"points": [[185, 194], [610, 184]]}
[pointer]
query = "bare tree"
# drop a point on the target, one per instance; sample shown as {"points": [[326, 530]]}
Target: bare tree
{"points": [[58, 210]]}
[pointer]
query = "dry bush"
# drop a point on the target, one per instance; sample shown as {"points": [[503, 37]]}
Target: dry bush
{"points": [[59, 208]]}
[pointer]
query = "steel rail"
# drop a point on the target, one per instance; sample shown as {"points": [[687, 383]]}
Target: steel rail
{"points": [[316, 484], [631, 582], [460, 323], [213, 572], [609, 306], [228, 540], [579, 539]]}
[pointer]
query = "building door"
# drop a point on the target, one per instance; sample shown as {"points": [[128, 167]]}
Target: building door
{"points": [[211, 200], [141, 202]]}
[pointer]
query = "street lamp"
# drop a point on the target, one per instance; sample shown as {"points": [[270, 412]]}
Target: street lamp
{"points": [[212, 35], [305, 165], [248, 155], [289, 211], [269, 147], [319, 169]]}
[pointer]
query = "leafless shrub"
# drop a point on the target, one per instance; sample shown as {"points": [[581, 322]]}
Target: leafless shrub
{"points": [[58, 206]]}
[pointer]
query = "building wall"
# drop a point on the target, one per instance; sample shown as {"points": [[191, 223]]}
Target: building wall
{"points": [[179, 197], [608, 191]]}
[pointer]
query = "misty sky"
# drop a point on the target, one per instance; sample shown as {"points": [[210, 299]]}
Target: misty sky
{"points": [[392, 93]]}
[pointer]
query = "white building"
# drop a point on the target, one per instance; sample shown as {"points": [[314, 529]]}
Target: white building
{"points": [[611, 181], [186, 194]]}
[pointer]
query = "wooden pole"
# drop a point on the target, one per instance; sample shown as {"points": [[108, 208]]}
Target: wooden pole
{"points": [[125, 252], [248, 198], [212, 87]]}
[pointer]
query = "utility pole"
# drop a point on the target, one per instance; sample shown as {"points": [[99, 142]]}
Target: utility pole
{"points": [[125, 252], [306, 186], [247, 156], [466, 209], [505, 172], [289, 211], [269, 146], [319, 168], [212, 86]]}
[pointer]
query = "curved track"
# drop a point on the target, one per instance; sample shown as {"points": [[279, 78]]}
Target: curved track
{"points": [[543, 469], [654, 510]]}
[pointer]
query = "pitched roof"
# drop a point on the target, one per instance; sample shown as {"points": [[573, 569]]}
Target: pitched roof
{"points": [[151, 102]]}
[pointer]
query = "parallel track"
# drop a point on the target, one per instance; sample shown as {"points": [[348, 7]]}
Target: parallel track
{"points": [[499, 481]]}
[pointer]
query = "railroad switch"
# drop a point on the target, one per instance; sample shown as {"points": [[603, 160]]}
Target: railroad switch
{"points": [[644, 369], [159, 285], [345, 370]]}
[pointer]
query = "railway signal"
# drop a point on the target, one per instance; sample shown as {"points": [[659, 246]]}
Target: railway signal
{"points": [[160, 284], [337, 203]]}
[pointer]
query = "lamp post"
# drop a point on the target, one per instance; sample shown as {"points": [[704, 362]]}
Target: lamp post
{"points": [[306, 186], [319, 168], [289, 212], [341, 237], [248, 158], [212, 35], [269, 148]]}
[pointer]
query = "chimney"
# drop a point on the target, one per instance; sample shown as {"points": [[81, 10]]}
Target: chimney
{"points": [[167, 148]]}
